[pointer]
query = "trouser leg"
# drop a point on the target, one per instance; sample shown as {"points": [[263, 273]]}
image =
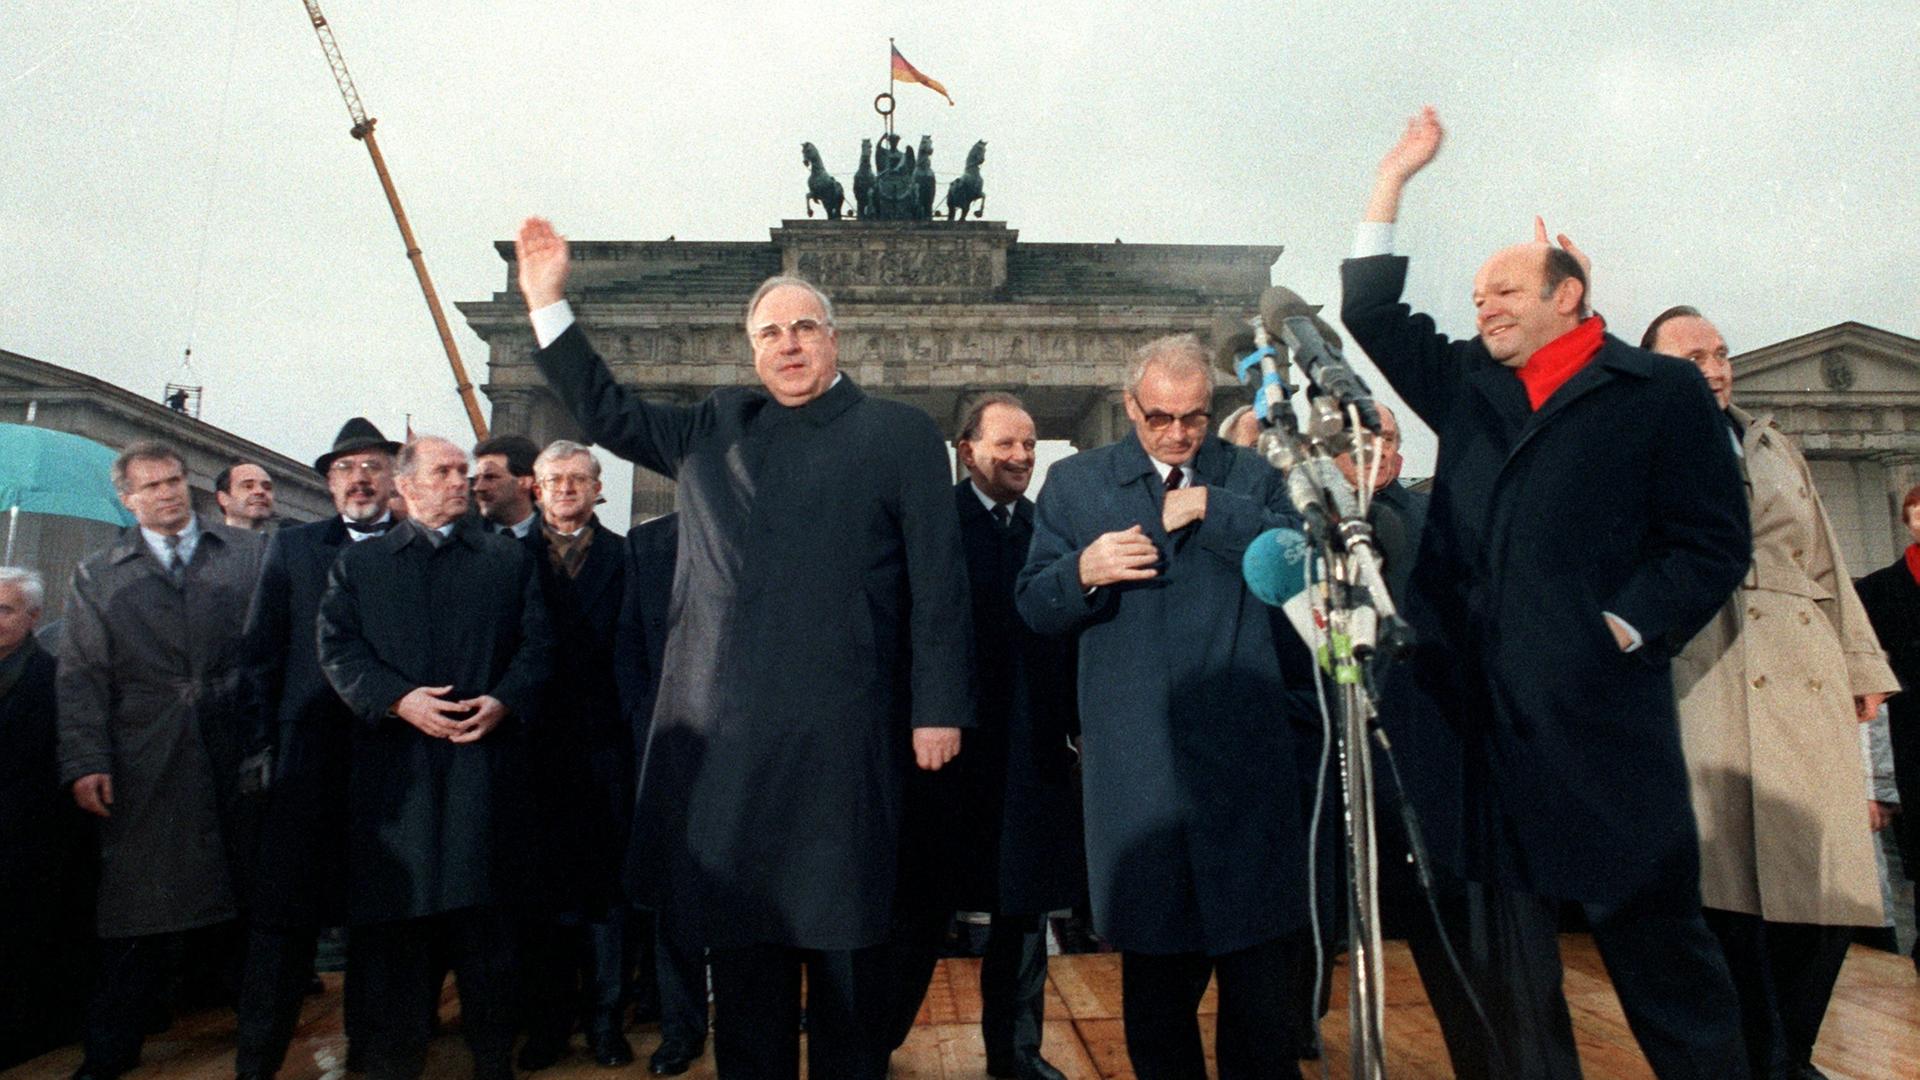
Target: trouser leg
{"points": [[1460, 1026], [680, 973], [354, 1010], [273, 984], [607, 960], [847, 1011], [1158, 997], [549, 957], [1672, 981], [1805, 960], [132, 973], [398, 963], [1256, 998], [1013, 988], [756, 997], [484, 966], [1519, 964], [912, 954], [1743, 945]]}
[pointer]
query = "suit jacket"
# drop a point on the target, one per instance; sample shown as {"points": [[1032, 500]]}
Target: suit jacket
{"points": [[819, 612], [1000, 829], [436, 826], [1622, 495], [149, 690], [1194, 841], [582, 762], [300, 874]]}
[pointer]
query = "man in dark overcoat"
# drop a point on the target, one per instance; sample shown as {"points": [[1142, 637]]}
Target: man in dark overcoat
{"points": [[818, 649], [999, 832], [435, 635], [46, 844], [582, 766], [1891, 596], [151, 734], [1588, 517], [677, 967], [300, 871], [1195, 850]]}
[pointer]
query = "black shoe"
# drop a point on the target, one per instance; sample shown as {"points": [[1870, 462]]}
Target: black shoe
{"points": [[607, 1042], [1029, 1067], [88, 1071], [674, 1057], [539, 1052]]}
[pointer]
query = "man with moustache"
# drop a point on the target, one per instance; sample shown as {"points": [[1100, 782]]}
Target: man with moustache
{"points": [[1588, 518], [301, 871], [582, 765], [998, 832], [435, 636], [245, 494], [1195, 850], [818, 649], [503, 485], [151, 735]]}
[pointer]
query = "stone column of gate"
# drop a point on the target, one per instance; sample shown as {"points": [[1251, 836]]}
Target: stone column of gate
{"points": [[1102, 419], [532, 411], [1903, 472]]}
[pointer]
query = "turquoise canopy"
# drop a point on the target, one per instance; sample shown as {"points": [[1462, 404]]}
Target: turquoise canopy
{"points": [[52, 472]]}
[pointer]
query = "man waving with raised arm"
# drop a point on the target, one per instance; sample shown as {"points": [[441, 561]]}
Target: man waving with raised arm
{"points": [[1588, 517]]}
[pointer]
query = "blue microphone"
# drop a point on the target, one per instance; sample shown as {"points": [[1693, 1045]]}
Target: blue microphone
{"points": [[1275, 570]]}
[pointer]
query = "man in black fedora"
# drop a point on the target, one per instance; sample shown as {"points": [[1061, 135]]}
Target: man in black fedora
{"points": [[301, 869]]}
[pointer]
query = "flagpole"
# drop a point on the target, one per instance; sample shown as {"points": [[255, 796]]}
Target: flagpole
{"points": [[892, 50]]}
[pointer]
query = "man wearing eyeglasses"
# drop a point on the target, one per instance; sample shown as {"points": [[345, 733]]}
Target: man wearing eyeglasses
{"points": [[818, 647], [300, 877], [1196, 856]]}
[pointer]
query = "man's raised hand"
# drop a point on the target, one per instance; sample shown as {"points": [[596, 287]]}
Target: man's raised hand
{"points": [[1418, 144], [1118, 556], [1571, 248], [544, 261]]}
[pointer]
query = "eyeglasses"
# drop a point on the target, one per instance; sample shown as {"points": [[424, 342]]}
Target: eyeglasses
{"points": [[1161, 421], [365, 467], [805, 331], [561, 481]]}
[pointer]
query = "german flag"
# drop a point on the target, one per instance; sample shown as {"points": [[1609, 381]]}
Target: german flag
{"points": [[905, 72]]}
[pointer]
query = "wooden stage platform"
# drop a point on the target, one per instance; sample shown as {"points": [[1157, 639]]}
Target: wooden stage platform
{"points": [[1871, 1033]]}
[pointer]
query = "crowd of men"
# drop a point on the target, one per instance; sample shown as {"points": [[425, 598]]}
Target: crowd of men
{"points": [[836, 697]]}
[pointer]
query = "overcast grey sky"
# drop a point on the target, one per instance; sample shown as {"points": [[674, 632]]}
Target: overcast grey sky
{"points": [[1759, 165]]}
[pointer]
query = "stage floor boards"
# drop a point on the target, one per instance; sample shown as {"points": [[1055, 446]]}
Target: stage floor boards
{"points": [[1871, 1033]]}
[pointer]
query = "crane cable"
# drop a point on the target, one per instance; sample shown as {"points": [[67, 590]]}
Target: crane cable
{"points": [[212, 187]]}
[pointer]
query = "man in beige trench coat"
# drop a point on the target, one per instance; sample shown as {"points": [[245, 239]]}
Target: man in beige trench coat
{"points": [[1769, 695]]}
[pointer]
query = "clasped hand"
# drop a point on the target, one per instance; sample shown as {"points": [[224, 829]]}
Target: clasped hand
{"points": [[427, 708]]}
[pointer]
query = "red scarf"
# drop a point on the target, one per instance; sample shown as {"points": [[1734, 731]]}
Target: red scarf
{"points": [[1552, 364], [1913, 562]]}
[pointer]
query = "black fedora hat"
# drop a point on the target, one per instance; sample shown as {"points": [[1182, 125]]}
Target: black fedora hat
{"points": [[355, 435]]}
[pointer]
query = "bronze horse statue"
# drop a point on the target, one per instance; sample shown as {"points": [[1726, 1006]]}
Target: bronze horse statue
{"points": [[966, 188], [863, 182], [822, 188], [923, 181]]}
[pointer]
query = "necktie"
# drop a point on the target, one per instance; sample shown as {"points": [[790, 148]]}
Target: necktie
{"points": [[375, 529], [506, 531], [176, 566], [1174, 477], [1002, 515]]}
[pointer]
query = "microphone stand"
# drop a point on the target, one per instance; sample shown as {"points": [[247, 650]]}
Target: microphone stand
{"points": [[1360, 622]]}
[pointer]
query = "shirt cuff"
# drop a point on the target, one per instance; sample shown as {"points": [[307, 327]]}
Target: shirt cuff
{"points": [[1373, 238], [551, 321], [1623, 624]]}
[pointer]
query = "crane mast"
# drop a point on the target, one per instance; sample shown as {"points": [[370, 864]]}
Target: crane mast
{"points": [[363, 130]]}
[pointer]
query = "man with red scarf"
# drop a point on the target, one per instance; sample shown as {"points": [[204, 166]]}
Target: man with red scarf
{"points": [[1587, 519]]}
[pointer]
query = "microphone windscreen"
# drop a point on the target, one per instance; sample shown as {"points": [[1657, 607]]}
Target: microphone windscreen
{"points": [[1279, 303], [1275, 566]]}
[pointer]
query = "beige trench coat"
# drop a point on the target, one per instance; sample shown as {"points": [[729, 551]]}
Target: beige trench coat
{"points": [[1766, 713]]}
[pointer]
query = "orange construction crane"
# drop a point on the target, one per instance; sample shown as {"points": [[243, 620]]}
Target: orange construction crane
{"points": [[363, 130]]}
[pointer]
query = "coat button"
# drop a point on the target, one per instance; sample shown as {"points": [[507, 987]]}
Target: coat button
{"points": [[1805, 619], [1753, 613], [1759, 681], [1813, 684], [1798, 554]]}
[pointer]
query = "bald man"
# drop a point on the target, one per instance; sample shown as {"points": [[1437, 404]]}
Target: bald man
{"points": [[1588, 518]]}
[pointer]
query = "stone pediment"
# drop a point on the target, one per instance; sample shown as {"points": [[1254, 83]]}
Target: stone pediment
{"points": [[1843, 363]]}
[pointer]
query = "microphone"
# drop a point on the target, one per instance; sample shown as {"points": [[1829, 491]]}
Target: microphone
{"points": [[1238, 352], [1275, 570], [1316, 348]]}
